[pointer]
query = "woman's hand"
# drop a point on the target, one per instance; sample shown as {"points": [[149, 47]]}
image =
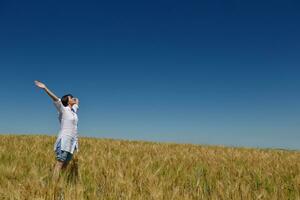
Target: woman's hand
{"points": [[43, 86], [76, 101], [40, 84]]}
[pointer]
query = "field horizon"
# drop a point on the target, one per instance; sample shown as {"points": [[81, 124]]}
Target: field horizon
{"points": [[106, 168], [162, 142]]}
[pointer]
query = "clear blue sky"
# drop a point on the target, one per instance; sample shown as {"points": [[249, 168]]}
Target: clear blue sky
{"points": [[203, 72]]}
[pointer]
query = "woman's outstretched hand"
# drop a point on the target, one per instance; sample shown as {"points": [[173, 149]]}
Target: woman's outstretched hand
{"points": [[43, 86], [40, 84]]}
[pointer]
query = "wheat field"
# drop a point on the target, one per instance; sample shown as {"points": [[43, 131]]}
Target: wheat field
{"points": [[123, 169]]}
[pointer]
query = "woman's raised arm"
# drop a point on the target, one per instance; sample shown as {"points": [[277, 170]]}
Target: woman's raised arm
{"points": [[43, 86]]}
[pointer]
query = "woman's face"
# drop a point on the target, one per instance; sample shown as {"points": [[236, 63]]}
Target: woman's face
{"points": [[71, 101]]}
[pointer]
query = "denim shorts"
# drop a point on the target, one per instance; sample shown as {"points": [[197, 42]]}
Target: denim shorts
{"points": [[61, 155]]}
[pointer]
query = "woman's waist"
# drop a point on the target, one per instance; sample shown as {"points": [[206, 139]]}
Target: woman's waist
{"points": [[68, 133], [68, 128]]}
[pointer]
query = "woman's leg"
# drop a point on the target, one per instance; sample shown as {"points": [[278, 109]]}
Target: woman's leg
{"points": [[57, 168], [64, 166], [61, 165], [59, 161], [68, 157]]}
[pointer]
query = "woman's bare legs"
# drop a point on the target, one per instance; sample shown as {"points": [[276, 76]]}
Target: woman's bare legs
{"points": [[64, 167], [57, 169]]}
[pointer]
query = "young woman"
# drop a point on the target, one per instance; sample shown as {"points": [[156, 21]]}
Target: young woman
{"points": [[67, 140]]}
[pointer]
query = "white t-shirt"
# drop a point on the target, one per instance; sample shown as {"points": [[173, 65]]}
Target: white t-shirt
{"points": [[68, 120]]}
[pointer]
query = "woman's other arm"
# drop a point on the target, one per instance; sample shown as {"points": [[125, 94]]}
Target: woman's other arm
{"points": [[76, 105], [77, 101]]}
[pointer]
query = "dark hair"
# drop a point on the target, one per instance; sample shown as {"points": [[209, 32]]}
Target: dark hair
{"points": [[65, 99]]}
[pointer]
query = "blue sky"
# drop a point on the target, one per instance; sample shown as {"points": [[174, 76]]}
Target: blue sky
{"points": [[203, 72]]}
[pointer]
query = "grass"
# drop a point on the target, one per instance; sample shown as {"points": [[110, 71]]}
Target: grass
{"points": [[120, 169]]}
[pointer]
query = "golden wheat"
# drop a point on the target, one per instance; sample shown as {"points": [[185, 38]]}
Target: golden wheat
{"points": [[120, 169]]}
